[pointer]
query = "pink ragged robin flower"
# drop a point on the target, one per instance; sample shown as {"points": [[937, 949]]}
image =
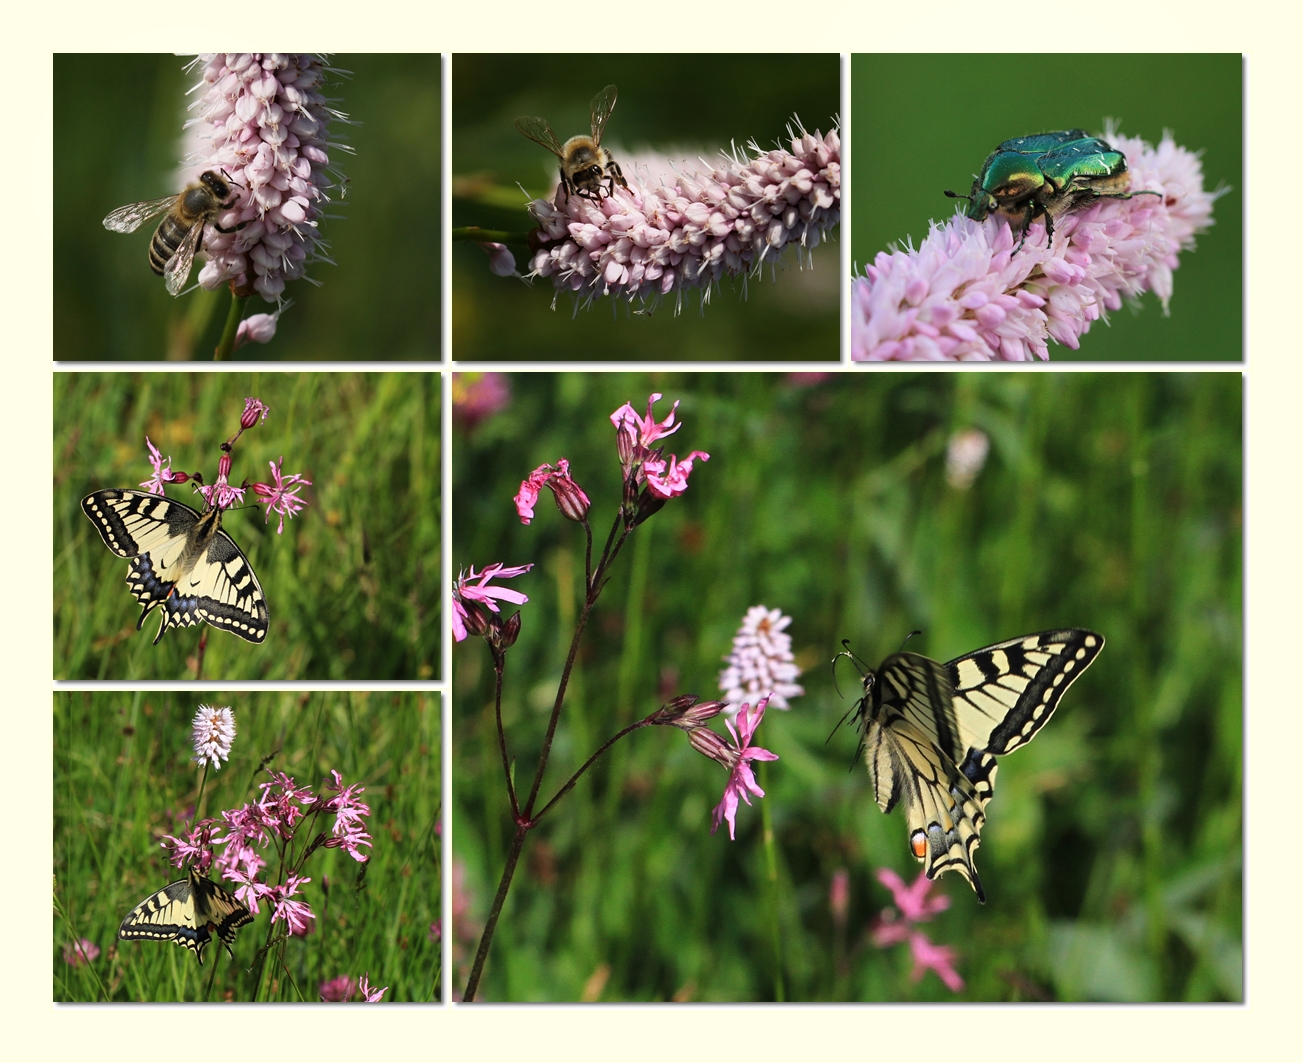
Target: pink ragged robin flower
{"points": [[163, 473], [255, 410], [370, 995], [930, 957], [571, 501], [679, 229], [264, 120], [741, 780], [474, 587], [913, 901], [649, 480], [761, 662], [221, 495], [282, 494], [214, 731], [969, 293], [294, 913]]}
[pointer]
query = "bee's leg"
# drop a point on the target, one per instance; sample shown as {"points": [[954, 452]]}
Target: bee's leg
{"points": [[565, 181], [615, 172]]}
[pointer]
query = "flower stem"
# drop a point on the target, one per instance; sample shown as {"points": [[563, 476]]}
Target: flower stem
{"points": [[570, 783], [227, 343], [486, 939], [499, 664], [771, 867]]}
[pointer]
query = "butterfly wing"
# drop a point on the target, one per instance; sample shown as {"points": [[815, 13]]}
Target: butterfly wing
{"points": [[181, 563], [909, 736], [189, 913], [932, 733], [1005, 693]]}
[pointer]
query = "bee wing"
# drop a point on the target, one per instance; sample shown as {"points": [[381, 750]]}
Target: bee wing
{"points": [[600, 109], [539, 132], [178, 266], [129, 218]]}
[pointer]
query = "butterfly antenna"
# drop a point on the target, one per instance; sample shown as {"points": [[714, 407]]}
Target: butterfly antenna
{"points": [[910, 636]]}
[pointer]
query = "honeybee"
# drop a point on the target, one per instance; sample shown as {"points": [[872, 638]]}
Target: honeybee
{"points": [[586, 166], [180, 235]]}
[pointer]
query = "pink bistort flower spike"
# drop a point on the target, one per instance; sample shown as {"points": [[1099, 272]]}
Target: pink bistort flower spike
{"points": [[263, 119], [966, 294], [761, 662], [80, 952], [741, 780], [282, 494], [473, 586], [676, 230], [214, 731]]}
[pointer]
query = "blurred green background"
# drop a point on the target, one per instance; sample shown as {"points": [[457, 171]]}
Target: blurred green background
{"points": [[124, 778], [924, 123], [662, 106], [352, 584], [1111, 856], [118, 122]]}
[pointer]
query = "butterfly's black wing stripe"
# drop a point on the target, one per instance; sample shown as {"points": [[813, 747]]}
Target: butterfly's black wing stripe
{"points": [[119, 515]]}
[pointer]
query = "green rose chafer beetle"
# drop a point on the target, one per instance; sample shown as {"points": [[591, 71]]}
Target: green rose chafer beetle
{"points": [[1045, 175]]}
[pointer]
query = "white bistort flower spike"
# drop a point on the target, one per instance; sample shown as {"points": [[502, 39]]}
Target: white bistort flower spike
{"points": [[262, 120], [761, 664]]}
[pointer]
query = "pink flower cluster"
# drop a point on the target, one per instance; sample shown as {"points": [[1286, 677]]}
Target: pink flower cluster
{"points": [[644, 466], [915, 907], [281, 496], [966, 294], [688, 229], [262, 118]]}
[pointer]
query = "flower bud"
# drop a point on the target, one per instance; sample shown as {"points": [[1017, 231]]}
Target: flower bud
{"points": [[570, 497], [687, 712], [708, 743], [254, 409], [510, 630], [476, 622]]}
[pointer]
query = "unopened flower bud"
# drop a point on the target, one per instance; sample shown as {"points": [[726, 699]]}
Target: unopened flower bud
{"points": [[502, 263], [476, 622], [223, 467], [687, 712], [510, 630], [708, 743]]}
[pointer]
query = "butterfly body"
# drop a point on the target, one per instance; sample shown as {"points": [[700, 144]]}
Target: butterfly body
{"points": [[932, 732], [182, 563], [189, 913]]}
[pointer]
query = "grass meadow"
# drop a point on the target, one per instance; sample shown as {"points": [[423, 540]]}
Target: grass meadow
{"points": [[124, 778], [1112, 852], [352, 585]]}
